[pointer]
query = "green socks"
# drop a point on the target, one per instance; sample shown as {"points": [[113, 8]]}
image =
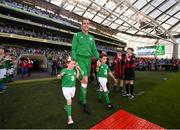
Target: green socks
{"points": [[106, 95], [80, 94], [100, 94], [68, 110]]}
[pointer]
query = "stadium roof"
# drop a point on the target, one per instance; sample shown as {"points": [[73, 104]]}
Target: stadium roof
{"points": [[157, 19]]}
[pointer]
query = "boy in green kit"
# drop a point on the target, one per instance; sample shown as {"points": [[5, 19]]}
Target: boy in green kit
{"points": [[102, 73]]}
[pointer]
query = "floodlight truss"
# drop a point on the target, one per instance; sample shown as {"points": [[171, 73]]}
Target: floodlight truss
{"points": [[148, 18]]}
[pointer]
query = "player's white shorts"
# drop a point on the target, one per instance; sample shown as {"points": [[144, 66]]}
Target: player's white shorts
{"points": [[103, 84], [2, 73], [10, 71], [68, 92]]}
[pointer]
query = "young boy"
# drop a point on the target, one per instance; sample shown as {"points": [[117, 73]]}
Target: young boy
{"points": [[102, 73], [68, 76], [129, 73]]}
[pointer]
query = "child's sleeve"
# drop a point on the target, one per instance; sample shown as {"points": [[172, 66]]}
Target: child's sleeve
{"points": [[108, 70], [62, 73]]}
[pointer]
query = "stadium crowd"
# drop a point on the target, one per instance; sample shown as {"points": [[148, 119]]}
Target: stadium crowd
{"points": [[55, 57], [33, 33], [47, 35], [40, 12], [157, 64]]}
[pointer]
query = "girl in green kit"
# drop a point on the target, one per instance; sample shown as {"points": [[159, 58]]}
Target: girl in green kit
{"points": [[68, 76]]}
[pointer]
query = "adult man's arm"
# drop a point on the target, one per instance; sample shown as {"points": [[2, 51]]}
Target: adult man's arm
{"points": [[74, 46], [94, 50]]}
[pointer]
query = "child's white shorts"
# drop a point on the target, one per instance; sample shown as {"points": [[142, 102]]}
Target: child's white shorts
{"points": [[2, 73], [68, 92], [103, 84]]}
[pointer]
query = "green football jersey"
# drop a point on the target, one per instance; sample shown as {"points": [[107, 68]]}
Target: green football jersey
{"points": [[68, 78], [84, 45], [103, 71]]}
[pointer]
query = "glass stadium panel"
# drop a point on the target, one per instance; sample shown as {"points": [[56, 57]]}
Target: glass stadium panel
{"points": [[166, 26], [163, 17], [174, 10], [172, 21], [101, 2], [177, 15], [132, 1], [88, 15], [110, 5], [95, 7], [106, 22], [128, 13], [58, 3], [102, 13], [121, 9], [122, 28], [68, 6], [140, 3], [97, 19], [82, 6], [78, 11], [114, 25], [167, 5], [155, 13], [156, 3], [148, 9], [119, 21]]}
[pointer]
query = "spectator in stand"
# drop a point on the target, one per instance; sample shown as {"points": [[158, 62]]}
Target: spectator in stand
{"points": [[23, 66], [54, 67], [30, 66]]}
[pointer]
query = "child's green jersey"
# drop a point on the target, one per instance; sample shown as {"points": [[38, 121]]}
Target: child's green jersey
{"points": [[68, 78], [103, 71]]}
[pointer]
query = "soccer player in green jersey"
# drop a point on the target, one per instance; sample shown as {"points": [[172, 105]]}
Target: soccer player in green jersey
{"points": [[68, 76], [83, 48], [102, 73]]}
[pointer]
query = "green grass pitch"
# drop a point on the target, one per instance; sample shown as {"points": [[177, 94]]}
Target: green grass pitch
{"points": [[39, 103]]}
